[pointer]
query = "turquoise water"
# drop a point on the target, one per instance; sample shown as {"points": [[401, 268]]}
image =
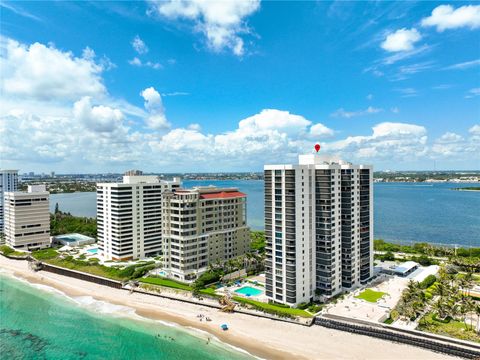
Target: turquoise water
{"points": [[249, 291], [404, 212], [93, 251], [36, 324]]}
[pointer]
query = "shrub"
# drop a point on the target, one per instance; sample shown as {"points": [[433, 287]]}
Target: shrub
{"points": [[6, 250], [428, 281], [394, 315], [207, 278], [302, 305]]}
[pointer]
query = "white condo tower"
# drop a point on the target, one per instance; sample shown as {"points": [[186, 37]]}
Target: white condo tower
{"points": [[319, 228]]}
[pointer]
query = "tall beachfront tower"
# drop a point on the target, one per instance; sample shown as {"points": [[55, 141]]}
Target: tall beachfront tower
{"points": [[27, 218], [201, 226], [129, 217], [8, 183], [319, 228]]}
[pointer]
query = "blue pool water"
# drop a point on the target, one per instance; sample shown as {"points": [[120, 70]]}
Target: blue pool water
{"points": [[249, 291], [93, 251]]}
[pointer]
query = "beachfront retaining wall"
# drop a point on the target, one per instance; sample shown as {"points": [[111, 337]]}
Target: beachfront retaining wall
{"points": [[215, 306], [415, 338], [82, 276]]}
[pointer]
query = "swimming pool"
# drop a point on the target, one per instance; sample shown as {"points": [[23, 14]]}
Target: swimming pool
{"points": [[93, 251], [249, 291]]}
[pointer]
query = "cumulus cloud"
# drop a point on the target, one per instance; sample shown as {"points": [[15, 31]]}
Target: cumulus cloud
{"points": [[43, 72], [221, 22], [97, 118], [137, 62], [389, 140], [445, 17], [475, 130], [320, 130], [154, 105], [453, 146], [139, 46], [349, 114], [401, 40]]}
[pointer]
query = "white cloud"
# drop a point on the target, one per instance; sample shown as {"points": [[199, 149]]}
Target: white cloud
{"points": [[407, 92], [349, 114], [137, 62], [97, 118], [154, 105], [221, 22], [319, 130], [452, 146], [463, 65], [195, 127], [43, 72], [401, 40], [272, 119], [475, 130], [473, 93], [139, 46], [389, 141], [446, 17], [395, 110]]}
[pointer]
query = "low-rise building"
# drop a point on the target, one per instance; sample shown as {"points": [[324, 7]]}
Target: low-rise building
{"points": [[73, 239], [27, 218], [202, 225]]}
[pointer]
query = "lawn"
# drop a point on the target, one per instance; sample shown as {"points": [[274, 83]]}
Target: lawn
{"points": [[51, 256], [370, 295], [8, 251], [452, 328], [273, 309], [166, 282]]}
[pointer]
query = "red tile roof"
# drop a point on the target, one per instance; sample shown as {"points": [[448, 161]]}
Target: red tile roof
{"points": [[223, 195]]}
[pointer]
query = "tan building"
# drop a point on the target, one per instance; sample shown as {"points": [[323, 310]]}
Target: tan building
{"points": [[27, 218], [200, 226]]}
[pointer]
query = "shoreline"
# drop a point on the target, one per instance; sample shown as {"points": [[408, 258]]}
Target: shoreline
{"points": [[260, 337]]}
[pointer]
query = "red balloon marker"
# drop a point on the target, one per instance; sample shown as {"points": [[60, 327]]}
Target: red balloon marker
{"points": [[317, 147]]}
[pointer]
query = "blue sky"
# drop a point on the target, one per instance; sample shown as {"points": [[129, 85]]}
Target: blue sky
{"points": [[229, 86]]}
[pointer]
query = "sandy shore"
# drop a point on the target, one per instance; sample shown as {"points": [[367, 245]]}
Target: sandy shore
{"points": [[261, 337]]}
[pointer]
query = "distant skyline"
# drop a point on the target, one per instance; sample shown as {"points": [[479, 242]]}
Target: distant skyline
{"points": [[177, 86]]}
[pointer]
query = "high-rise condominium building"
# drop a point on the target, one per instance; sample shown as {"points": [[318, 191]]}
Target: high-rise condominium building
{"points": [[27, 218], [129, 217], [319, 228], [8, 183], [200, 226]]}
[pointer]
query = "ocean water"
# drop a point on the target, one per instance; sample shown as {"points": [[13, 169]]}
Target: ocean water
{"points": [[404, 212], [38, 323]]}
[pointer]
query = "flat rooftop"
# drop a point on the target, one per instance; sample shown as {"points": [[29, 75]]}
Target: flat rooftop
{"points": [[405, 267], [73, 237]]}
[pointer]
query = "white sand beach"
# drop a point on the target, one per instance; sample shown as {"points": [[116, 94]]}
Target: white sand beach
{"points": [[261, 337]]}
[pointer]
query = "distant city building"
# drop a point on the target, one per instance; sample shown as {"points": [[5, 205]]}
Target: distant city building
{"points": [[8, 183], [202, 225], [319, 228], [129, 217], [52, 174], [133, 173], [27, 218]]}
